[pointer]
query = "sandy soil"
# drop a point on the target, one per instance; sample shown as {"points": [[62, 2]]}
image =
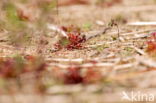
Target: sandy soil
{"points": [[125, 60]]}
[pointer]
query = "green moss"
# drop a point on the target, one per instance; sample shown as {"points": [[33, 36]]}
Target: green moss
{"points": [[46, 7], [87, 26], [101, 47], [128, 49], [64, 42], [13, 21]]}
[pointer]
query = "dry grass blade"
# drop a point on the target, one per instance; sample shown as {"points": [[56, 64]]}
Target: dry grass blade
{"points": [[86, 65], [57, 29], [142, 24], [139, 50], [146, 61]]}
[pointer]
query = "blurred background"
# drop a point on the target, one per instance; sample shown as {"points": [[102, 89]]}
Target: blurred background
{"points": [[30, 66]]}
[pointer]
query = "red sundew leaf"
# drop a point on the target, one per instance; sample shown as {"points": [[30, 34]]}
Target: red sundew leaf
{"points": [[7, 68], [41, 67], [92, 76], [74, 40], [153, 36], [64, 28], [14, 67], [29, 58], [93, 61], [57, 46], [28, 12], [73, 76], [151, 46]]}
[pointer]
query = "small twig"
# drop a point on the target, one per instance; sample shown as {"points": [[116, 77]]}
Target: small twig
{"points": [[50, 60], [139, 50], [138, 32], [98, 33], [86, 65], [118, 31], [142, 23], [113, 23], [57, 29], [92, 46], [146, 61], [100, 23], [123, 66], [67, 60]]}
